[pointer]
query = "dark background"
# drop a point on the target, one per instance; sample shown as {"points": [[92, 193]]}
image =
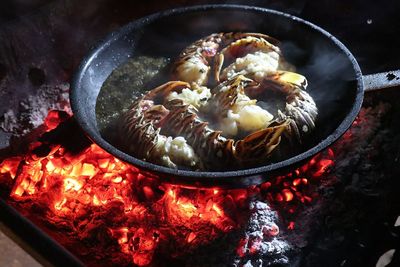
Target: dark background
{"points": [[42, 42], [369, 28]]}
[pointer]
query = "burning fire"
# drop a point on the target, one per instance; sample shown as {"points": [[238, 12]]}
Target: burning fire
{"points": [[110, 204]]}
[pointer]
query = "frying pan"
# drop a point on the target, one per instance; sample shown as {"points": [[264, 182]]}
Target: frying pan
{"points": [[335, 79]]}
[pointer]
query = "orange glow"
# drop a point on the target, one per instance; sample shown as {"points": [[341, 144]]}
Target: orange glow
{"points": [[290, 226], [191, 237], [188, 208], [117, 179], [18, 191], [218, 210], [53, 119], [278, 197], [138, 212], [266, 185], [288, 196], [330, 152], [96, 201], [296, 182], [88, 170], [323, 166], [58, 205], [71, 184], [50, 166], [241, 250], [10, 166], [148, 192], [307, 198], [171, 193], [103, 163]]}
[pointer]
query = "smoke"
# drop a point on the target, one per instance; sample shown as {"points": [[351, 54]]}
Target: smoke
{"points": [[328, 63], [332, 84], [330, 75]]}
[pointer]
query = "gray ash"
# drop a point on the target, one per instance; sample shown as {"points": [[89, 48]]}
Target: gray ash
{"points": [[262, 245], [31, 112]]}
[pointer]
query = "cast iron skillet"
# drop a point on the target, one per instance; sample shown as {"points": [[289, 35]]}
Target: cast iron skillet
{"points": [[335, 79]]}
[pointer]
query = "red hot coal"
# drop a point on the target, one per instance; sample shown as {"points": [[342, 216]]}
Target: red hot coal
{"points": [[101, 208]]}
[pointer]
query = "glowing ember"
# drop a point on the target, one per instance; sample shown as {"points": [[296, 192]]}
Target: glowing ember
{"points": [[110, 204]]}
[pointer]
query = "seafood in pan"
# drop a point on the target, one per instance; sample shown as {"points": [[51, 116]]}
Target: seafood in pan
{"points": [[212, 114]]}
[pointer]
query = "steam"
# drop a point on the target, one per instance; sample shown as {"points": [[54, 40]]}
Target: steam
{"points": [[331, 78], [331, 84]]}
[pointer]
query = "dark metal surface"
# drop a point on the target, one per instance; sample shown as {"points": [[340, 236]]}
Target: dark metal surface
{"points": [[381, 80], [52, 251], [334, 76]]}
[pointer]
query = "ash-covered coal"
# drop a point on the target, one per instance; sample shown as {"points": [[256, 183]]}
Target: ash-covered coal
{"points": [[356, 211], [38, 53], [261, 243], [348, 153], [32, 111]]}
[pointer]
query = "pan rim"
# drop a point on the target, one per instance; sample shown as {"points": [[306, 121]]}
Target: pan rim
{"points": [[96, 137]]}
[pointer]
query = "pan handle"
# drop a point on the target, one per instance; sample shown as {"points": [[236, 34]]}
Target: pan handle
{"points": [[381, 80]]}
